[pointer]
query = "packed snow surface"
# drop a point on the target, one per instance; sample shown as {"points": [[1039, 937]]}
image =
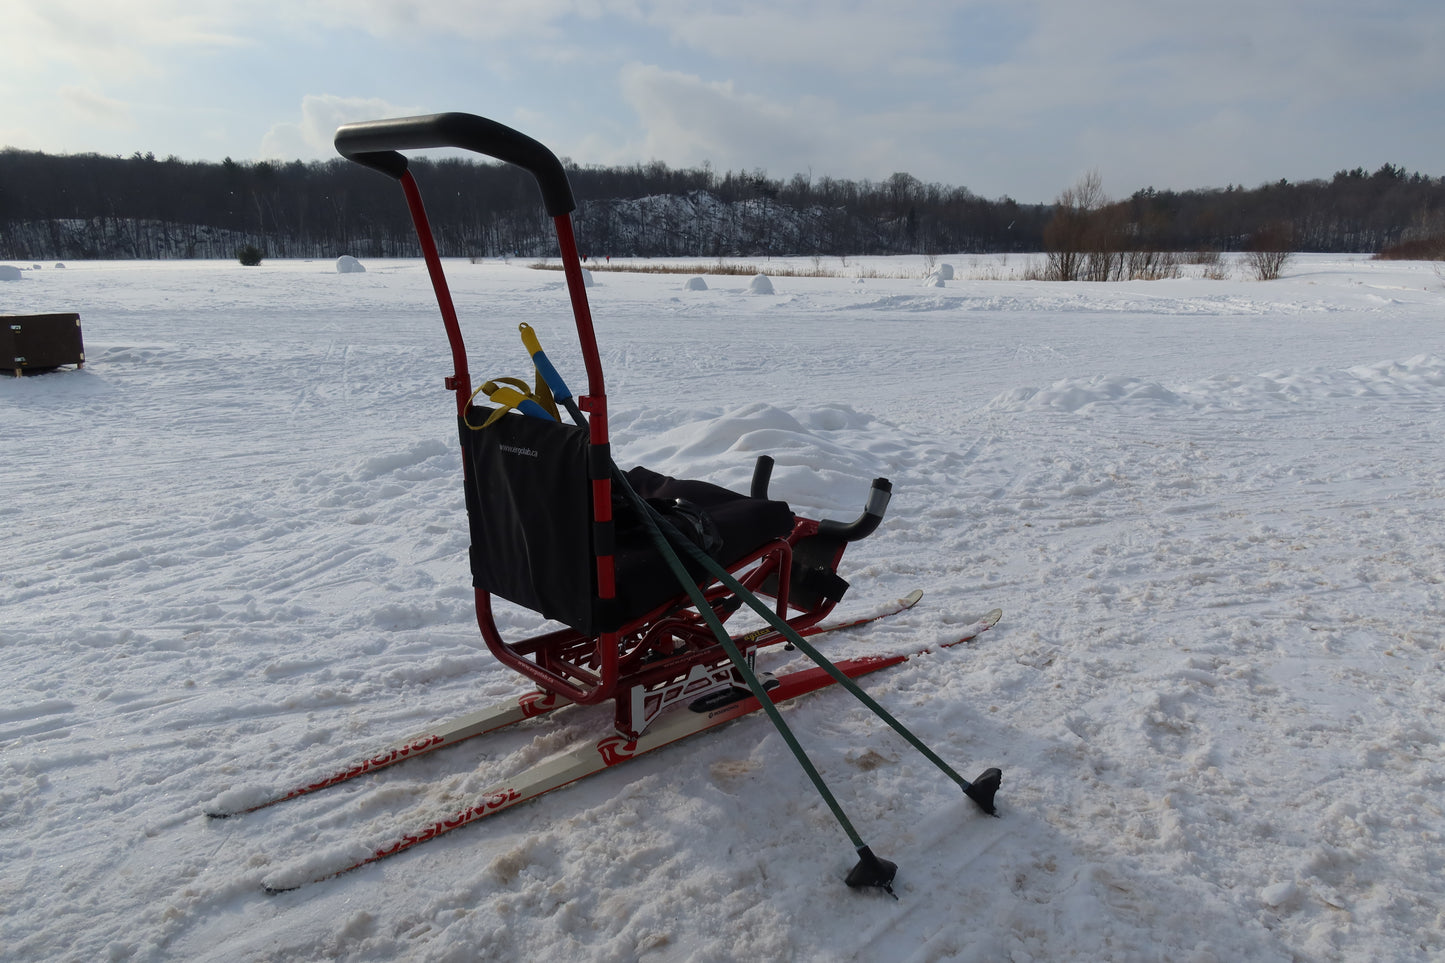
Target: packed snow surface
{"points": [[1212, 511]]}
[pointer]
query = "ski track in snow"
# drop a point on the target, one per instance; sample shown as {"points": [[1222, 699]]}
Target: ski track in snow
{"points": [[1211, 511]]}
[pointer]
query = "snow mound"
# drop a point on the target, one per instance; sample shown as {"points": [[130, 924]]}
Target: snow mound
{"points": [[1421, 376], [1080, 394], [761, 284], [824, 456], [1279, 894], [418, 461], [695, 284], [936, 278], [315, 866], [9, 273], [240, 799], [346, 264]]}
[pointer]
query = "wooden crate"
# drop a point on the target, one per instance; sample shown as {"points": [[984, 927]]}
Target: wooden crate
{"points": [[40, 342]]}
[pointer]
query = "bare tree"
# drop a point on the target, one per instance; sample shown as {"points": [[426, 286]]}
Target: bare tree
{"points": [[1269, 250], [1066, 235], [1086, 238]]}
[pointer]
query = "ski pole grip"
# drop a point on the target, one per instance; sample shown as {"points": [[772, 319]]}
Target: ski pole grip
{"points": [[549, 374], [376, 144]]}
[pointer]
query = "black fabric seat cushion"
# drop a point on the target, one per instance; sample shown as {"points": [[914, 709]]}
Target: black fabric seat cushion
{"points": [[744, 524]]}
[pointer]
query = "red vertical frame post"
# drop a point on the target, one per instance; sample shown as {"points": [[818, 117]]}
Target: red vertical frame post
{"points": [[461, 379], [595, 404]]}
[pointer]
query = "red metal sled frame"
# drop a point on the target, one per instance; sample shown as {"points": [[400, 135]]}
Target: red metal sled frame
{"points": [[671, 648]]}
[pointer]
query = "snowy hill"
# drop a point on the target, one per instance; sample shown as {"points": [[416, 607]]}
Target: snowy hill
{"points": [[696, 224], [681, 225]]}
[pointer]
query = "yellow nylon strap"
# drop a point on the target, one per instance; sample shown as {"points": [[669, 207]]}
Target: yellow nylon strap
{"points": [[508, 393]]}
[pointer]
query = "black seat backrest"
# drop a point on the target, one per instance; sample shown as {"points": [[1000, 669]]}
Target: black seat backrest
{"points": [[529, 506]]}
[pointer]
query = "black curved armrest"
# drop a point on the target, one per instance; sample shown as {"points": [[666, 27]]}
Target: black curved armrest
{"points": [[865, 524]]}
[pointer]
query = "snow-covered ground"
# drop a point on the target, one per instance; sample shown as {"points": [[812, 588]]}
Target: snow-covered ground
{"points": [[1212, 511]]}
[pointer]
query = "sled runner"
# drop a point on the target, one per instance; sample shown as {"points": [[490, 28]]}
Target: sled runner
{"points": [[638, 570]]}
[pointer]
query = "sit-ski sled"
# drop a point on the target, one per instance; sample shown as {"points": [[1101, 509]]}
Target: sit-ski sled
{"points": [[640, 571]]}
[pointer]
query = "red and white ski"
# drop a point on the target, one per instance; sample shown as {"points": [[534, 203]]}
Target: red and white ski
{"points": [[238, 802], [612, 750], [499, 716]]}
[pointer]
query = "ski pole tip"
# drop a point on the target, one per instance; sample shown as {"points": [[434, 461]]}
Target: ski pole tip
{"points": [[982, 789], [873, 871]]}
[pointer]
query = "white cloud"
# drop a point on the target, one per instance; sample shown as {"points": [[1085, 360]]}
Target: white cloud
{"points": [[836, 37], [113, 40], [1090, 56], [403, 19], [687, 120], [95, 109], [311, 138]]}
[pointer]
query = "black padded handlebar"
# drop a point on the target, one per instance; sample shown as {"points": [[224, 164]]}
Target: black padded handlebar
{"points": [[376, 143]]}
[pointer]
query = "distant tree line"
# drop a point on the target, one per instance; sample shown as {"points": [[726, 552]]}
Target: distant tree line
{"points": [[1388, 212], [93, 206], [1354, 212]]}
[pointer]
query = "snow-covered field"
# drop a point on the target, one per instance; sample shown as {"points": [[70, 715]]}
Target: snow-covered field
{"points": [[1212, 511]]}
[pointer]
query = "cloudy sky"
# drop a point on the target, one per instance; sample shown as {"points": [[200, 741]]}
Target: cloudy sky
{"points": [[1005, 97]]}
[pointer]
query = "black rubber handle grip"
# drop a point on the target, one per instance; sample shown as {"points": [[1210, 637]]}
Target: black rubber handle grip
{"points": [[376, 144], [762, 474], [865, 524]]}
